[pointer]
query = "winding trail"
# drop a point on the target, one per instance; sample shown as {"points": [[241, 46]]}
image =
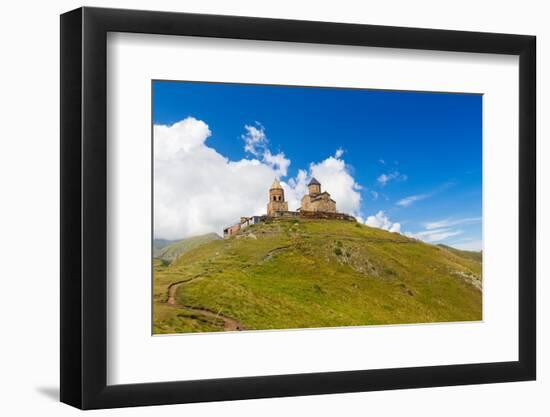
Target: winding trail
{"points": [[229, 324], [274, 251]]}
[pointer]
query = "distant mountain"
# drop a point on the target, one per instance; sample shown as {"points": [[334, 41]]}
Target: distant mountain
{"points": [[160, 243], [168, 250], [476, 256], [298, 273]]}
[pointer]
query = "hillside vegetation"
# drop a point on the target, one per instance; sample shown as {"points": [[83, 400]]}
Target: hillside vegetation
{"points": [[476, 256], [172, 249], [314, 273]]}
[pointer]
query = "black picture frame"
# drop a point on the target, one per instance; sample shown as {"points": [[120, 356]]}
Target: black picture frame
{"points": [[84, 207]]}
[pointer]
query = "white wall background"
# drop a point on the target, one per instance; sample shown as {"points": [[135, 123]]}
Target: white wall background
{"points": [[29, 228]]}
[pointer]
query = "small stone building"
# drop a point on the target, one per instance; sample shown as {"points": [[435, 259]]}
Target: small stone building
{"points": [[242, 224], [249, 221], [316, 200], [277, 201], [231, 230]]}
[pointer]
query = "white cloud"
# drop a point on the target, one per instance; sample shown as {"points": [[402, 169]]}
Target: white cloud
{"points": [[472, 245], [396, 228], [382, 221], [435, 235], [450, 222], [197, 190], [257, 144], [383, 179], [278, 162], [334, 176], [255, 139], [295, 189], [183, 136], [395, 175], [437, 231], [407, 201]]}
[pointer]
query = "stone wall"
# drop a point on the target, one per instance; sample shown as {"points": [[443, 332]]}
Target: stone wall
{"points": [[285, 214], [231, 230], [318, 203], [325, 215], [319, 215], [275, 206]]}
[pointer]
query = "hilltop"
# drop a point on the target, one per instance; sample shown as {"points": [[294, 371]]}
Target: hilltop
{"points": [[300, 273]]}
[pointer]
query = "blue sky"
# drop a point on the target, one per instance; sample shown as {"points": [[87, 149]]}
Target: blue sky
{"points": [[414, 156]]}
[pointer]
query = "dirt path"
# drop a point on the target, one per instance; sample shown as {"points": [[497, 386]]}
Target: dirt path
{"points": [[275, 251], [229, 324]]}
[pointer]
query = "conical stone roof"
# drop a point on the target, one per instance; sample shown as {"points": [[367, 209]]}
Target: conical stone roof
{"points": [[276, 185]]}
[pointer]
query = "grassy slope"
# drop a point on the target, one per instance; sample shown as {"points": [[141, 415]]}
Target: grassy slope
{"points": [[179, 247], [476, 256], [297, 274]]}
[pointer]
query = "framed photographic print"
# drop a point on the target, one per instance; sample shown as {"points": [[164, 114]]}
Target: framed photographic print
{"points": [[257, 208]]}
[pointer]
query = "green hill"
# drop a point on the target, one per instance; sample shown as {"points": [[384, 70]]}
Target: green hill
{"points": [[170, 250], [161, 243], [476, 256], [314, 273]]}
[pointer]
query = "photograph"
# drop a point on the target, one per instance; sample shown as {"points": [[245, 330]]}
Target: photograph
{"points": [[293, 207]]}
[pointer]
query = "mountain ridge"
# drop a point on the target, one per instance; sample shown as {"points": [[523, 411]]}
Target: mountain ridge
{"points": [[169, 250]]}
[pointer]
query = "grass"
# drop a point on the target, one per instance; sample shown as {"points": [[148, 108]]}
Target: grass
{"points": [[316, 273]]}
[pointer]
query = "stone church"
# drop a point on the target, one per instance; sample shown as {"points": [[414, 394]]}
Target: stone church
{"points": [[314, 201], [316, 204], [317, 200]]}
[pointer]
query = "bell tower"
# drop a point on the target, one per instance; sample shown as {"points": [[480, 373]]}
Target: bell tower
{"points": [[276, 199]]}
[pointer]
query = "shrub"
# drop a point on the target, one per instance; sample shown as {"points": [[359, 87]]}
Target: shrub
{"points": [[337, 251]]}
